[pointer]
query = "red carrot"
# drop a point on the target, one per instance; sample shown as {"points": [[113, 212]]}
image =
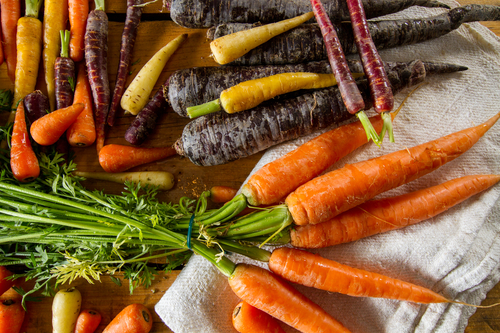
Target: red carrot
{"points": [[78, 12], [133, 318], [48, 129], [248, 319], [326, 196], [271, 294], [10, 13], [65, 75], [23, 161], [5, 282], [118, 158], [222, 194], [11, 315], [377, 216], [132, 19], [82, 132], [87, 321]]}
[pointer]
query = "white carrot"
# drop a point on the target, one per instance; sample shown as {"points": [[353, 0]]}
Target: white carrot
{"points": [[164, 180]]}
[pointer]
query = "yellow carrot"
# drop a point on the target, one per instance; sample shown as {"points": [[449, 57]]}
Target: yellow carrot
{"points": [[164, 180]]}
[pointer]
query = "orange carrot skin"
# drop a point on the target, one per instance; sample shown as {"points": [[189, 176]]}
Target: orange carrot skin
{"points": [[23, 160], [274, 181], [5, 284], [271, 294], [11, 315], [118, 158], [48, 129], [87, 321], [378, 216], [248, 319], [324, 197], [2, 57], [312, 270], [82, 132], [135, 318], [78, 11], [222, 194], [9, 15]]}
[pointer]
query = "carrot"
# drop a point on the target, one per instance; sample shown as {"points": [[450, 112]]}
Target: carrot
{"points": [[231, 47], [132, 19], [87, 321], [275, 180], [2, 57], [5, 282], [9, 15], [23, 161], [96, 59], [65, 75], [82, 132], [248, 319], [36, 105], [326, 196], [163, 180], [48, 129], [78, 11], [119, 158], [11, 315], [134, 318], [55, 18], [271, 294], [66, 306], [377, 216], [222, 194]]}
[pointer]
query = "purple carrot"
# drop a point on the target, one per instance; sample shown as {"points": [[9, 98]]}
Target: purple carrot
{"points": [[96, 58], [348, 88], [133, 17], [145, 121], [65, 77], [36, 105]]}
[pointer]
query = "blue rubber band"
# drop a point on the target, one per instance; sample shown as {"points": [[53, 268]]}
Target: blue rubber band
{"points": [[190, 229]]}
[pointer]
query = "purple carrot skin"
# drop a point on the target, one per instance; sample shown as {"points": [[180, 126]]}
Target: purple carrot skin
{"points": [[96, 59], [133, 17], [380, 87], [36, 105], [348, 88], [65, 74], [145, 121]]}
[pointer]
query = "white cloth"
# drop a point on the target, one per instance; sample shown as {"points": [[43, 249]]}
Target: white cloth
{"points": [[456, 254]]}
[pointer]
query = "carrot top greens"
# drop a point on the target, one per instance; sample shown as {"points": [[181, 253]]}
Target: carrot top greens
{"points": [[33, 8]]}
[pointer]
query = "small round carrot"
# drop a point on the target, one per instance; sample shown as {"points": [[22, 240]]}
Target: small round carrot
{"points": [[5, 283], [118, 158], [82, 132], [135, 318], [11, 315], [271, 294], [87, 321], [23, 160], [222, 194], [9, 15], [78, 11], [48, 129], [248, 319]]}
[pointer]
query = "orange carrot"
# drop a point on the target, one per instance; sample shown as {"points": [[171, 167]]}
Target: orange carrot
{"points": [[118, 158], [248, 319], [312, 270], [222, 194], [2, 58], [133, 318], [11, 315], [324, 197], [5, 283], [87, 321], [78, 11], [271, 294], [23, 161], [377, 216], [82, 132], [49, 128], [10, 14], [275, 180]]}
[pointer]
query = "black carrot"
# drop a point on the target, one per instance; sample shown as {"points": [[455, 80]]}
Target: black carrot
{"points": [[64, 74]]}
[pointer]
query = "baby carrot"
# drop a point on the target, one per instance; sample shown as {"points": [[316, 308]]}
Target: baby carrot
{"points": [[82, 132], [271, 294], [312, 270], [326, 196], [23, 161], [87, 321], [377, 216], [10, 14], [133, 318], [118, 158], [248, 319], [275, 180], [48, 129], [5, 282], [78, 11]]}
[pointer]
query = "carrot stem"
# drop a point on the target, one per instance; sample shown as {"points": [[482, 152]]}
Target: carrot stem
{"points": [[33, 8], [65, 36], [100, 5], [204, 109], [371, 134]]}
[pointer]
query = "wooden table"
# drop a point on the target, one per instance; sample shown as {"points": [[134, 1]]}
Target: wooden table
{"points": [[154, 32]]}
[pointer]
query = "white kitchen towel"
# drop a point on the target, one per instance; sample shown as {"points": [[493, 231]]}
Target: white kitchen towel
{"points": [[456, 254]]}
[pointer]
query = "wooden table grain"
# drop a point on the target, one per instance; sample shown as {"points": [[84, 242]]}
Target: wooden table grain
{"points": [[155, 31]]}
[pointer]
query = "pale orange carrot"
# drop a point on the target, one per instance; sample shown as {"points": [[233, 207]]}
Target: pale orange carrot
{"points": [[249, 319], [133, 318], [118, 158], [377, 216], [271, 294], [275, 180], [49, 128], [326, 196], [222, 194], [312, 270]]}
